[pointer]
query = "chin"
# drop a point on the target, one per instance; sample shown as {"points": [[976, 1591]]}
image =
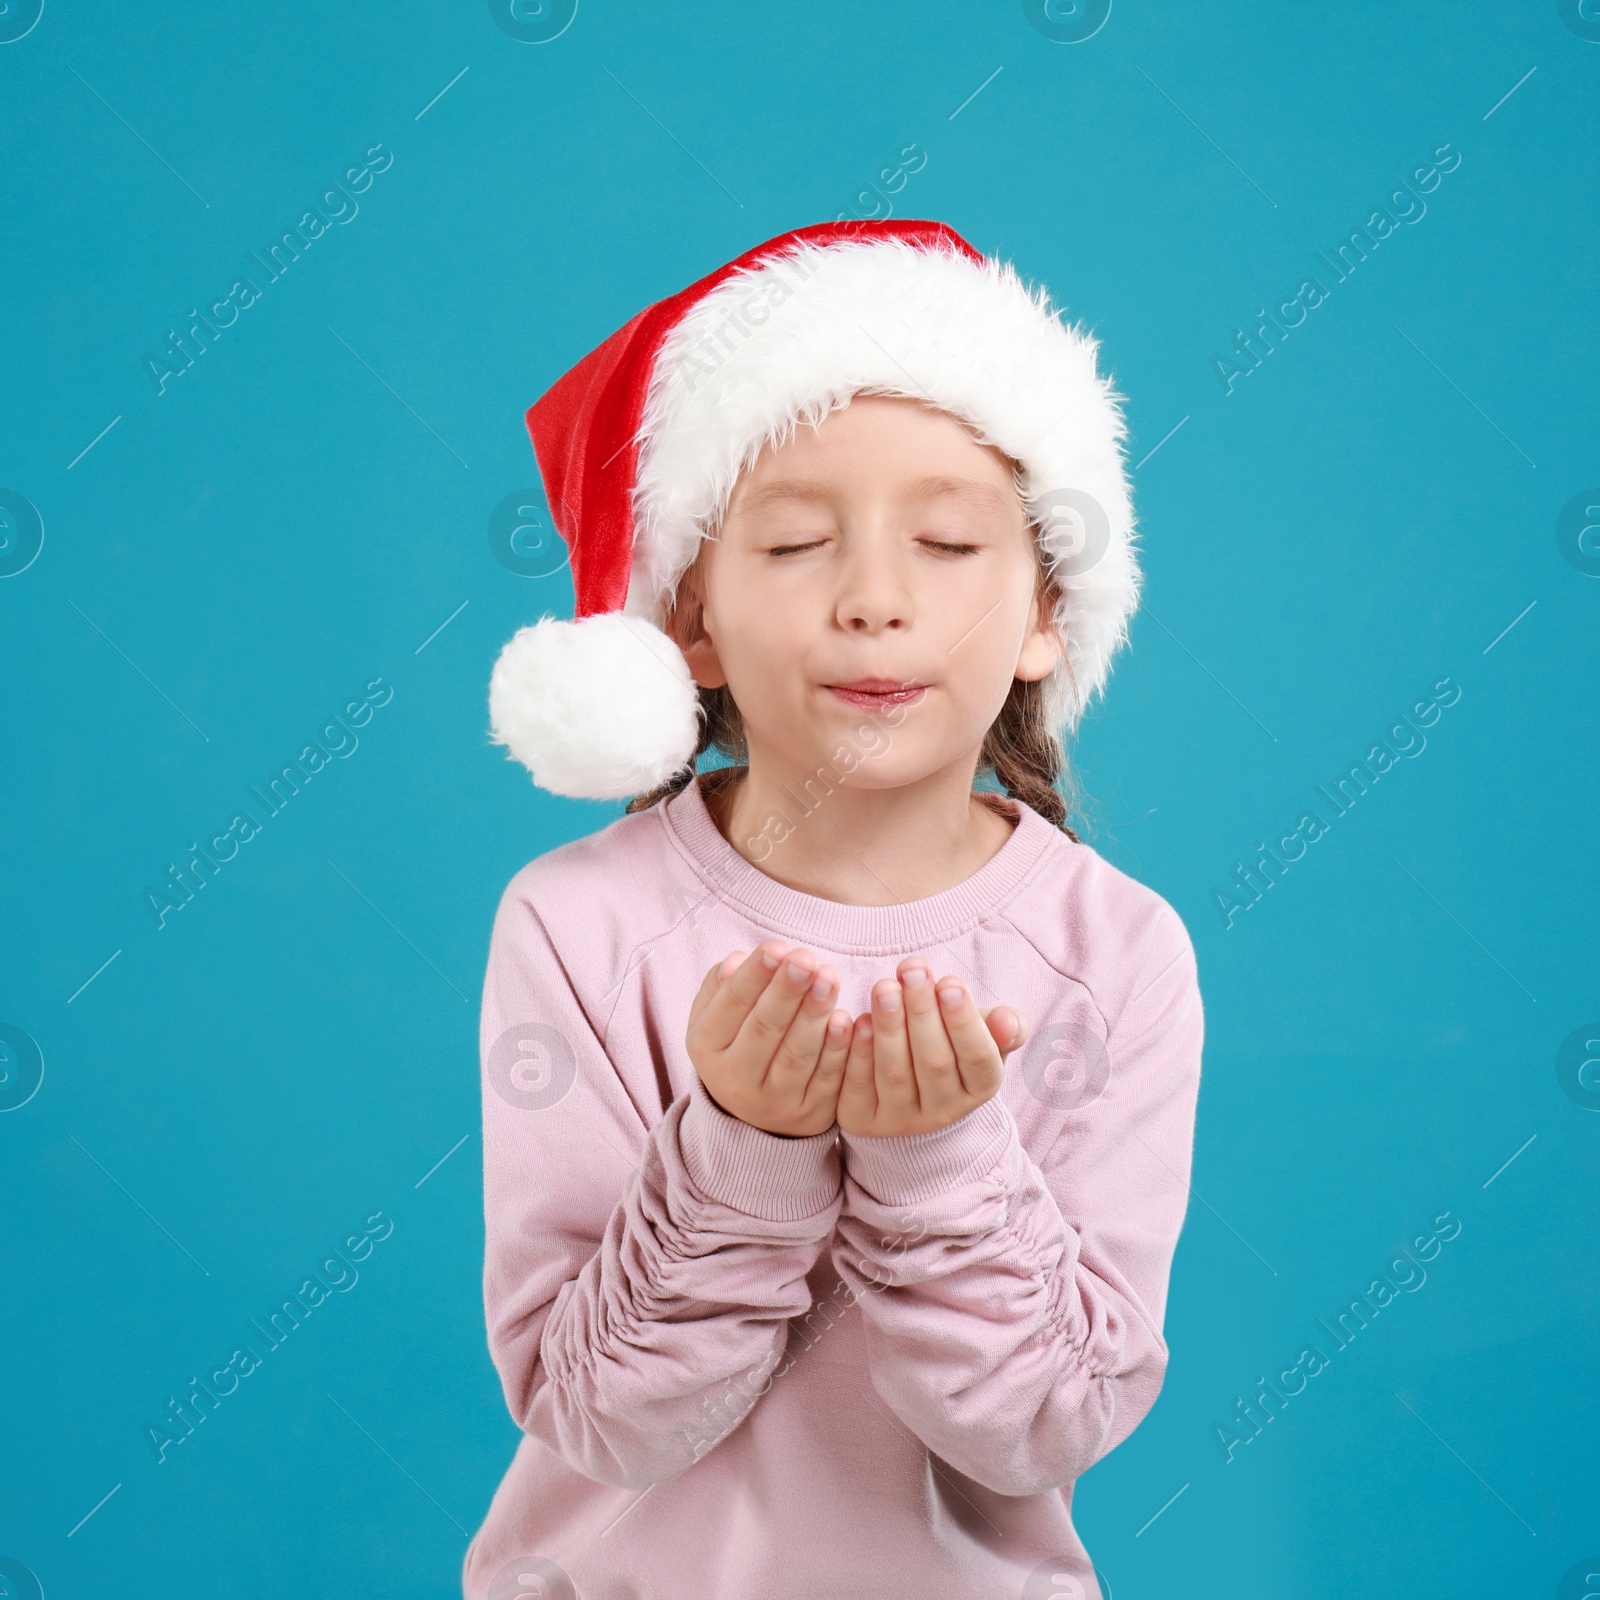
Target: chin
{"points": [[893, 768]]}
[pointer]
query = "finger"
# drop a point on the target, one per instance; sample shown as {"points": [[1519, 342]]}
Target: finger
{"points": [[977, 1054], [933, 1056], [858, 1094], [1007, 1027], [891, 1051], [761, 1033], [796, 1056], [827, 1081], [727, 1009]]}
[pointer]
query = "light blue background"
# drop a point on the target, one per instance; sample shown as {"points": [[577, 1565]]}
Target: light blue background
{"points": [[305, 508]]}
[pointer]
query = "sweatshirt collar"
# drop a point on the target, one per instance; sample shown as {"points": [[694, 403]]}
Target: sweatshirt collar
{"points": [[837, 925]]}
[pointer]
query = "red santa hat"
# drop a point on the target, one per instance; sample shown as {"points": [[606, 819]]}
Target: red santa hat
{"points": [[640, 445]]}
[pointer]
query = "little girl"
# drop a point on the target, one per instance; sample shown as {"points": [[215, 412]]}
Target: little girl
{"points": [[837, 1115]]}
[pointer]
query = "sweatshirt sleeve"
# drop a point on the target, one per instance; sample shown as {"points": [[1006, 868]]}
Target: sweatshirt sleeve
{"points": [[629, 1271], [1013, 1309]]}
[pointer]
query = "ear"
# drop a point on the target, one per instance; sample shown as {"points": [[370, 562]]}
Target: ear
{"points": [[1042, 648], [687, 626]]}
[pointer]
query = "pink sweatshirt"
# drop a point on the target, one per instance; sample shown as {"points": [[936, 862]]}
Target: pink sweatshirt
{"points": [[753, 1368]]}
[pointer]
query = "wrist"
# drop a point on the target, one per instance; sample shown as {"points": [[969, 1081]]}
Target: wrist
{"points": [[736, 1164], [907, 1168], [772, 1133]]}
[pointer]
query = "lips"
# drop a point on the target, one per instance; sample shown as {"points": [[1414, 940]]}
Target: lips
{"points": [[878, 692]]}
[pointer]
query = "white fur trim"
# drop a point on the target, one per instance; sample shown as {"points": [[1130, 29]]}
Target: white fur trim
{"points": [[889, 317], [599, 709]]}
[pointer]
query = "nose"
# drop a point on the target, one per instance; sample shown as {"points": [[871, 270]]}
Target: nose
{"points": [[874, 595]]}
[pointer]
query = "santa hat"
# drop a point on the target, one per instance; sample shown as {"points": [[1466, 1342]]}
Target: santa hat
{"points": [[640, 444]]}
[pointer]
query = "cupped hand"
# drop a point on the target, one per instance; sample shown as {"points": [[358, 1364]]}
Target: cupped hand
{"points": [[767, 1042], [924, 1056]]}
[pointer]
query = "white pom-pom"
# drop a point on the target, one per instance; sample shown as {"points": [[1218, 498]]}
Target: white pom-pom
{"points": [[598, 709]]}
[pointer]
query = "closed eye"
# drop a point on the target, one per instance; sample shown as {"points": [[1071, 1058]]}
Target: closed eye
{"points": [[933, 544]]}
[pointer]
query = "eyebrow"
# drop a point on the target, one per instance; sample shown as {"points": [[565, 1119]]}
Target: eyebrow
{"points": [[927, 488], [933, 488]]}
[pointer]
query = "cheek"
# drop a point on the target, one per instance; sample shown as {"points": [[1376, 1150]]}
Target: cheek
{"points": [[980, 619], [762, 646], [986, 628]]}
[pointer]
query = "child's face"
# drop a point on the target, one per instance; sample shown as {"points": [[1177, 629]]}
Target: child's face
{"points": [[884, 543]]}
